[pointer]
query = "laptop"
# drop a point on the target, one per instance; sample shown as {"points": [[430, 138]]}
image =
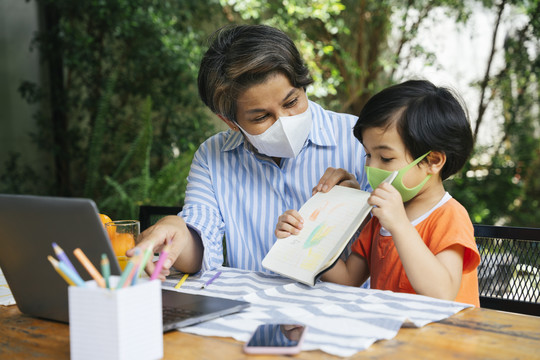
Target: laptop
{"points": [[28, 227]]}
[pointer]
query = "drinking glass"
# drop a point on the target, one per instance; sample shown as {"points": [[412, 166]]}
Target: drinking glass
{"points": [[123, 235]]}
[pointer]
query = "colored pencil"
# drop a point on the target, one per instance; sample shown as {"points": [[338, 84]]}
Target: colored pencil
{"points": [[54, 263], [132, 277], [61, 255], [211, 280], [106, 270], [161, 260], [94, 273], [136, 260], [177, 286], [71, 274], [149, 250], [125, 275]]}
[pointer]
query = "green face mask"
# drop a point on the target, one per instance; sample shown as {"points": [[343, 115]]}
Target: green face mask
{"points": [[376, 176]]}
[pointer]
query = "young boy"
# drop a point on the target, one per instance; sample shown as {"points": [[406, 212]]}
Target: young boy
{"points": [[419, 240]]}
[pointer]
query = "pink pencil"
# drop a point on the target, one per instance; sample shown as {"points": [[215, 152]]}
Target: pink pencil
{"points": [[161, 260]]}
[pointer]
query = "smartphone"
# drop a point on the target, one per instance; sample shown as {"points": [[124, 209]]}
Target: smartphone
{"points": [[283, 339]]}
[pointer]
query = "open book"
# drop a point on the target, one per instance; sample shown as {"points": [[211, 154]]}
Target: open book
{"points": [[330, 220]]}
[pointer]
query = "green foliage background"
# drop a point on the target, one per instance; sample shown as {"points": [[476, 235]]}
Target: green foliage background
{"points": [[121, 117]]}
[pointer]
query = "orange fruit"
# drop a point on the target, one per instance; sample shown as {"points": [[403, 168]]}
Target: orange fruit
{"points": [[104, 219], [111, 229], [122, 242]]}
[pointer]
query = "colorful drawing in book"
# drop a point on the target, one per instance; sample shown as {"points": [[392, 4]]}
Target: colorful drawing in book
{"points": [[317, 235]]}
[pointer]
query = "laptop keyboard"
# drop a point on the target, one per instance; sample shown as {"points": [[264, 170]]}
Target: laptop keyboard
{"points": [[172, 314]]}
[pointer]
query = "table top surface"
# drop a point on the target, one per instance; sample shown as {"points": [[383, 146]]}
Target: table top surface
{"points": [[473, 333]]}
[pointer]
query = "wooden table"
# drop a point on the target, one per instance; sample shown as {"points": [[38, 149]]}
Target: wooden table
{"points": [[471, 334]]}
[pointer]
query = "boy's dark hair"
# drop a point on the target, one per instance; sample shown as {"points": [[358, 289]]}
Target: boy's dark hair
{"points": [[241, 56], [427, 118]]}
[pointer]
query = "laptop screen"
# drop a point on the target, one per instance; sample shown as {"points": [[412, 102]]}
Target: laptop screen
{"points": [[28, 227]]}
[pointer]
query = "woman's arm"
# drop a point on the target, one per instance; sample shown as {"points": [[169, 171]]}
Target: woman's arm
{"points": [[185, 249]]}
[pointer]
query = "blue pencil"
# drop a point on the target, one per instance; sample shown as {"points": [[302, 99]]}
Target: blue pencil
{"points": [[54, 263], [125, 275], [74, 276]]}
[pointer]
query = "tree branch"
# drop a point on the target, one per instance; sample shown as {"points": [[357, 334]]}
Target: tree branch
{"points": [[483, 105]]}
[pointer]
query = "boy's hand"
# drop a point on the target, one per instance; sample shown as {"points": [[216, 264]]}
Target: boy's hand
{"points": [[389, 207], [289, 223]]}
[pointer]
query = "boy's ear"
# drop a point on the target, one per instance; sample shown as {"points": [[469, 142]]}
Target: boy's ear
{"points": [[436, 161], [230, 123]]}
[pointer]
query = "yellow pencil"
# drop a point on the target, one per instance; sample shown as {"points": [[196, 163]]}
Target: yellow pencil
{"points": [[90, 268], [54, 263], [177, 286]]}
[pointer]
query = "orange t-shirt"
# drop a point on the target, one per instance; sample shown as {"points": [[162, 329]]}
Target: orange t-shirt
{"points": [[446, 225]]}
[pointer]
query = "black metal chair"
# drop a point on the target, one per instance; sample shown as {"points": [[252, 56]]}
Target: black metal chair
{"points": [[509, 270], [150, 214]]}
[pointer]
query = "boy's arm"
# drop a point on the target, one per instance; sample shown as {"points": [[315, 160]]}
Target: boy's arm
{"points": [[353, 272], [432, 275], [438, 275]]}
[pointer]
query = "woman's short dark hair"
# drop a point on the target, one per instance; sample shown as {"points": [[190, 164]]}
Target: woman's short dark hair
{"points": [[241, 56], [427, 118]]}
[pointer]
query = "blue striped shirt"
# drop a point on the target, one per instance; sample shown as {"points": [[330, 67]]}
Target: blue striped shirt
{"points": [[234, 192]]}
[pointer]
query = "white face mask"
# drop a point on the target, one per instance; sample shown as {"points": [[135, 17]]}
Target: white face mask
{"points": [[285, 138]]}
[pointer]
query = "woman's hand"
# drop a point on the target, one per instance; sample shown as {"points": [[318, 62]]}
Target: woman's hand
{"points": [[289, 223], [185, 249], [332, 177]]}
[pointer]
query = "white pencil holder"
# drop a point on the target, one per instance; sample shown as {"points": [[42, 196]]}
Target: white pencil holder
{"points": [[116, 324]]}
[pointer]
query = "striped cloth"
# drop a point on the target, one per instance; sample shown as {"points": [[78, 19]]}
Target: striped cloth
{"points": [[233, 192], [6, 297], [341, 320]]}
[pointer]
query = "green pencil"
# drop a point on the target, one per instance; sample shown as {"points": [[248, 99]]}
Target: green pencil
{"points": [[146, 255], [106, 269]]}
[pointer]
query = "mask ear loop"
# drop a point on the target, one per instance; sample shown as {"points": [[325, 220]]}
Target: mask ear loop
{"points": [[410, 166]]}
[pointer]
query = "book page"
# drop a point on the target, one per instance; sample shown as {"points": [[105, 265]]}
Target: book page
{"points": [[330, 219]]}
